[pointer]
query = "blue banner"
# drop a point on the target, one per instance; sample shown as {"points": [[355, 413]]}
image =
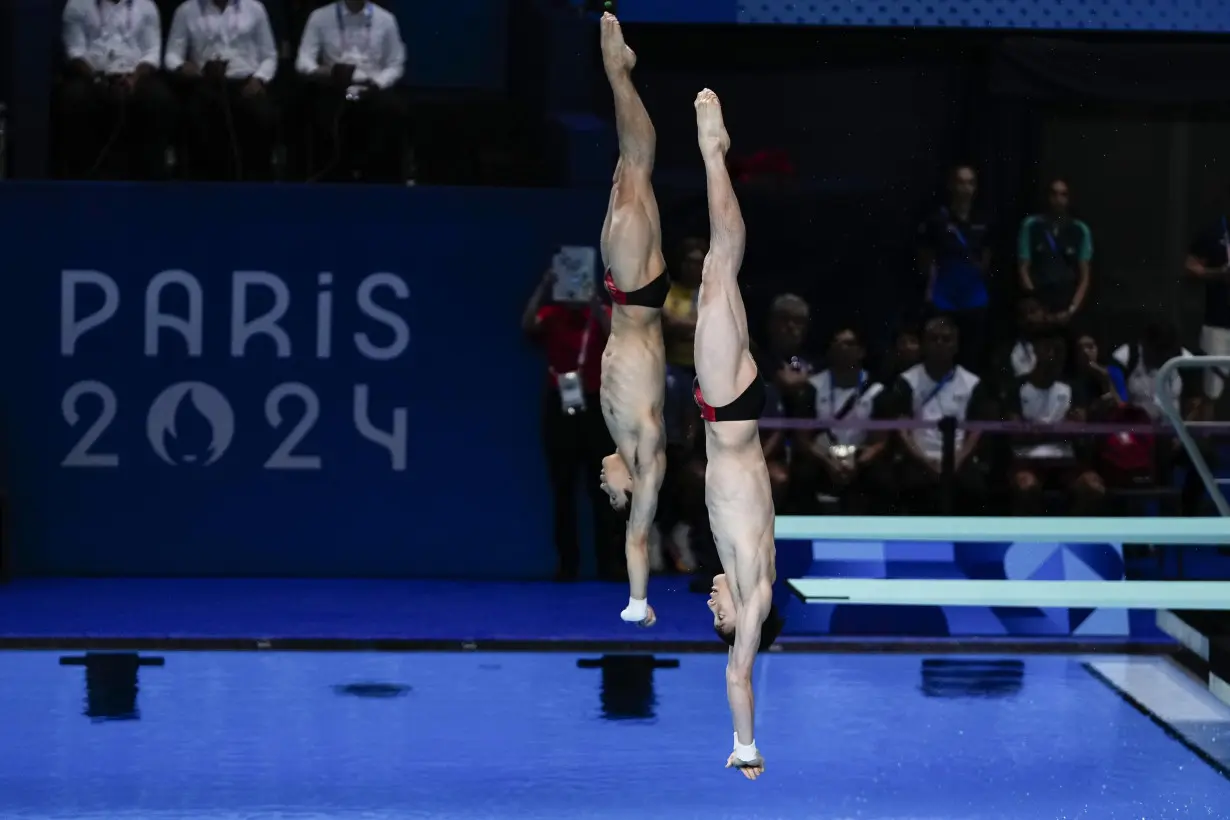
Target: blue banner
{"points": [[1004, 15], [277, 380]]}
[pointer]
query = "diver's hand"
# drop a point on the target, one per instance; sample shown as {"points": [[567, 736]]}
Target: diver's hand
{"points": [[751, 769]]}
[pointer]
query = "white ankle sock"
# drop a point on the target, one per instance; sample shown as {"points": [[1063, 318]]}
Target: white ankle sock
{"points": [[637, 610]]}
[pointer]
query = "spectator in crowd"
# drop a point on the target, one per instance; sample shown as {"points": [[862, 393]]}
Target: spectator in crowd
{"points": [[954, 254], [777, 445], [783, 361], [931, 390], [224, 56], [679, 332], [904, 354], [1090, 376], [574, 434], [1207, 263], [681, 416], [1054, 252], [1137, 364], [352, 53], [1019, 358], [833, 462], [1046, 397], [115, 114]]}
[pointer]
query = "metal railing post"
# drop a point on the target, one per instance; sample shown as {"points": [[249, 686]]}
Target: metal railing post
{"points": [[1171, 408]]}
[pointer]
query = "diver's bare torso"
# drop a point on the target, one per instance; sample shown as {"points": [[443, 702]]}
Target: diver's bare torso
{"points": [[740, 504], [633, 376]]}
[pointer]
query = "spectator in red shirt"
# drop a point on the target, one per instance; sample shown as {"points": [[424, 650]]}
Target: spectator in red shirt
{"points": [[574, 434]]}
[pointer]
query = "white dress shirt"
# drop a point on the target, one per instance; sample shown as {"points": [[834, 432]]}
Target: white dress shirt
{"points": [[239, 33], [113, 37], [369, 40]]}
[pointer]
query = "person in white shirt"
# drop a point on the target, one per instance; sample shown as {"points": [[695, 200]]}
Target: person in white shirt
{"points": [[1044, 396], [352, 53], [934, 389], [1018, 361], [223, 56], [115, 115], [834, 462], [1138, 363]]}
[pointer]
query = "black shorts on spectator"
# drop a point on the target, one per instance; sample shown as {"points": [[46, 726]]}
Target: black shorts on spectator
{"points": [[230, 129], [358, 134], [116, 127], [574, 446], [114, 114]]}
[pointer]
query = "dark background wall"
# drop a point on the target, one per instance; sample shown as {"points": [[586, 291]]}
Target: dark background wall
{"points": [[870, 116], [872, 120]]}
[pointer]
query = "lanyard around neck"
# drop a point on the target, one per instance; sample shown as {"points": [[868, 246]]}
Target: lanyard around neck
{"points": [[955, 229], [1051, 231], [940, 385], [862, 381]]}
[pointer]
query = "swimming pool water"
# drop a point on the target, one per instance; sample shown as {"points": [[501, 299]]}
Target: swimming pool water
{"points": [[380, 736]]}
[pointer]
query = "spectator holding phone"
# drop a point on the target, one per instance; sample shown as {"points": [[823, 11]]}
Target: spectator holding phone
{"points": [[574, 435], [223, 56], [353, 54], [115, 116]]}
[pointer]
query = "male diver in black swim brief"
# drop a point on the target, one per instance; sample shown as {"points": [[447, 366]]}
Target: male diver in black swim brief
{"points": [[634, 362], [731, 397]]}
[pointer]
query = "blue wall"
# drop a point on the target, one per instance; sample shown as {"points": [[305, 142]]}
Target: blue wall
{"points": [[420, 290], [455, 44], [1032, 15]]}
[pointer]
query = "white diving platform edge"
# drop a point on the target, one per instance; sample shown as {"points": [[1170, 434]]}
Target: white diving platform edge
{"points": [[1189, 595], [1160, 531]]}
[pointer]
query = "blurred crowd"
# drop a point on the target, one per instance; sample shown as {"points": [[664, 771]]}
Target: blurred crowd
{"points": [[231, 89], [1047, 368]]}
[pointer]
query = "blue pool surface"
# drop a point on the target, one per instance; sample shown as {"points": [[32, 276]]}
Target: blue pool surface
{"points": [[368, 736]]}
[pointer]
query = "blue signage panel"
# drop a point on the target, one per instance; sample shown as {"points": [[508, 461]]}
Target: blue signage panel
{"points": [[277, 380], [1032, 15]]}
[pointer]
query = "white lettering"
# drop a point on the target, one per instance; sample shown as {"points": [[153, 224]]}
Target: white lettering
{"points": [[324, 317], [242, 329], [284, 457], [401, 331], [72, 328], [191, 328], [395, 442], [80, 455]]}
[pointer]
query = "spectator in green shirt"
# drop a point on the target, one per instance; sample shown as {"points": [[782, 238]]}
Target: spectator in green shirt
{"points": [[1054, 252]]}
